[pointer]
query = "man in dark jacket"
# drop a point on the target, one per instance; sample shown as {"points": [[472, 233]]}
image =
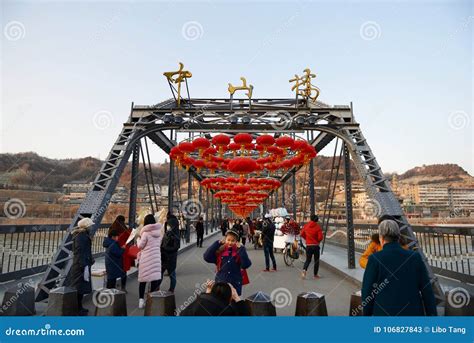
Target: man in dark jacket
{"points": [[169, 249], [113, 259], [268, 236], [199, 232], [220, 299], [82, 261], [224, 226], [396, 281]]}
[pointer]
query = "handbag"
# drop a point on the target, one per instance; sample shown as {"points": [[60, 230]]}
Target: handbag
{"points": [[133, 251], [245, 277]]}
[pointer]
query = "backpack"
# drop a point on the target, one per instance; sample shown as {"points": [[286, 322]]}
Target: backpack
{"points": [[168, 242]]}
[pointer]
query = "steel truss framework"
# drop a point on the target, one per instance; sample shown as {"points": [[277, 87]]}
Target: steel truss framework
{"points": [[161, 122]]}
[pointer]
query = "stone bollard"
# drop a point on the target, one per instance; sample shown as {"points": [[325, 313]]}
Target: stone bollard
{"points": [[260, 304], [110, 302], [356, 304], [311, 304], [62, 301], [160, 303], [459, 302], [19, 301]]}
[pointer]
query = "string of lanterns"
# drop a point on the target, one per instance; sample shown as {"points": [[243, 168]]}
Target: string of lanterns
{"points": [[247, 158]]}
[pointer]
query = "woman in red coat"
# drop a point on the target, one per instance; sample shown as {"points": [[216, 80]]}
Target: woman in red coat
{"points": [[313, 235]]}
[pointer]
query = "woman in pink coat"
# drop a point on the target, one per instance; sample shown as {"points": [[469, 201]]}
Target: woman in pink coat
{"points": [[149, 257]]}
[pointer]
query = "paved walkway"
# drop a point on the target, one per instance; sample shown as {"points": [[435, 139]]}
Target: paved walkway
{"points": [[285, 284]]}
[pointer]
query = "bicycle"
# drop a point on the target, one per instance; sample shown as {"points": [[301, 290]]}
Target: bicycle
{"points": [[290, 254]]}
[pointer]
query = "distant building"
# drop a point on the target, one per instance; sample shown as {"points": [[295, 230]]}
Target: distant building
{"points": [[432, 195], [461, 199], [76, 187]]}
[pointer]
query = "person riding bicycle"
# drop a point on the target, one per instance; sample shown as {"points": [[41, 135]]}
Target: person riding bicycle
{"points": [[291, 230]]}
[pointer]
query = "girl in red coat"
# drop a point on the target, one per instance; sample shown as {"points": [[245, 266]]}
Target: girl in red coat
{"points": [[313, 235]]}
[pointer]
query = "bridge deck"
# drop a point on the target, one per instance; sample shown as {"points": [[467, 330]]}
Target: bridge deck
{"points": [[192, 271]]}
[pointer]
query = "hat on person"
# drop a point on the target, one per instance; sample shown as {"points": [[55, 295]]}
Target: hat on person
{"points": [[84, 223], [232, 232]]}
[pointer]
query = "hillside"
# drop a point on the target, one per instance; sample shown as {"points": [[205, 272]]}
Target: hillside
{"points": [[31, 171]]}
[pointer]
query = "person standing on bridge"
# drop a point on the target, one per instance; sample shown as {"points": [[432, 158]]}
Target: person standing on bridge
{"points": [[245, 231], [231, 260], [268, 236], [373, 247], [149, 257], [313, 235], [123, 233], [396, 281], [170, 248], [224, 226], [82, 261], [113, 259], [199, 232]]}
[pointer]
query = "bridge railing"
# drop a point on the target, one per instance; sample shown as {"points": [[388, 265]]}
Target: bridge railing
{"points": [[27, 249], [449, 250]]}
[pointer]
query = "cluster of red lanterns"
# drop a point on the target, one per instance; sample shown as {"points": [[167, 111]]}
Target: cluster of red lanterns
{"points": [[242, 156]]}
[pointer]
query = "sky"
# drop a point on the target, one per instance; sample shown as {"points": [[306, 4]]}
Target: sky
{"points": [[71, 69]]}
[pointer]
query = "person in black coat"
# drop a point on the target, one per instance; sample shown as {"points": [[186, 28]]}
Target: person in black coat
{"points": [[200, 232], [220, 299], [396, 281], [169, 249], [224, 226], [113, 259], [268, 236], [82, 261], [237, 227]]}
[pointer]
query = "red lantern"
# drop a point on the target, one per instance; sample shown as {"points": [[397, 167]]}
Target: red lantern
{"points": [[243, 140], [234, 147], [186, 147], [199, 164], [299, 145], [187, 162], [241, 189], [208, 153], [220, 141], [200, 144], [265, 141], [242, 166], [284, 142]]}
